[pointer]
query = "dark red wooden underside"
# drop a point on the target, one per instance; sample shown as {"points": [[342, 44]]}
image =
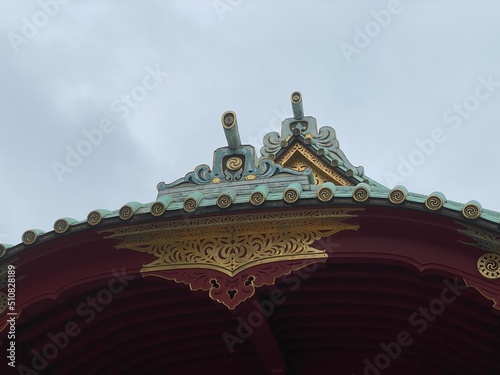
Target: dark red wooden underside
{"points": [[333, 318]]}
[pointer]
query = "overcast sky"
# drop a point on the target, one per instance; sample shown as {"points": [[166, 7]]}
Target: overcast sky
{"points": [[147, 82]]}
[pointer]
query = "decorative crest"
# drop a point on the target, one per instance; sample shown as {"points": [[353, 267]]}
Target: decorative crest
{"points": [[231, 255], [236, 162], [304, 128]]}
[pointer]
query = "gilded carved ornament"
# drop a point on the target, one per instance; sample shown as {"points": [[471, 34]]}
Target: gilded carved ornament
{"points": [[299, 158], [483, 239], [229, 256], [488, 265]]}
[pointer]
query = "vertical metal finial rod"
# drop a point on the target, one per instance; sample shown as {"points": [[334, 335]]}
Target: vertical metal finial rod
{"points": [[230, 126], [298, 111]]}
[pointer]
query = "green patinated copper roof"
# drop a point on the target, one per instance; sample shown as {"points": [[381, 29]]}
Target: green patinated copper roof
{"points": [[239, 177]]}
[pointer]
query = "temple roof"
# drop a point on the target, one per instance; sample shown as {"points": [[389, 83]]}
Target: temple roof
{"points": [[301, 163], [343, 262]]}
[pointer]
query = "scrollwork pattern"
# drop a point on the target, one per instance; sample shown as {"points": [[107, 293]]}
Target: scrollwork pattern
{"points": [[488, 265], [231, 244], [485, 240]]}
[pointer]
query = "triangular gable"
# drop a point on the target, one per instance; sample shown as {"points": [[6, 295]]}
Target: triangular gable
{"points": [[301, 146]]}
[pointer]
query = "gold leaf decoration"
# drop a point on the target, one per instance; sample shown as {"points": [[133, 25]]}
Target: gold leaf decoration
{"points": [[224, 201], [234, 163], [257, 198], [483, 239], [433, 202], [397, 196], [231, 255], [232, 243], [488, 265], [299, 158], [471, 211], [360, 194]]}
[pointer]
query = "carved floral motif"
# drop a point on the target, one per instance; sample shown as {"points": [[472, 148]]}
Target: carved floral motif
{"points": [[231, 255], [300, 158]]}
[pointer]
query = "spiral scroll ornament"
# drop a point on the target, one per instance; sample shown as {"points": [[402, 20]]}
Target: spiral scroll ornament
{"points": [[224, 201], [126, 212], [234, 163], [361, 194], [190, 205], [471, 211], [61, 226], [94, 218], [157, 209], [29, 237], [291, 195], [488, 265], [433, 202], [228, 119], [397, 196], [325, 194], [257, 198]]}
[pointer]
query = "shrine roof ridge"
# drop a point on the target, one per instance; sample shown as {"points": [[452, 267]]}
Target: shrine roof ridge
{"points": [[278, 177], [326, 194]]}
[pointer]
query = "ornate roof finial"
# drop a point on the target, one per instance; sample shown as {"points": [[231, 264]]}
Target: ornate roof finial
{"points": [[236, 163], [303, 130], [298, 110], [230, 126]]}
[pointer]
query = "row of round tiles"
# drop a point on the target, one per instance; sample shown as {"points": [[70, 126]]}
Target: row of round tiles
{"points": [[361, 193]]}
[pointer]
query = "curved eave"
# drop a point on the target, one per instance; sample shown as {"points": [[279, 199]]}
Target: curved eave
{"points": [[334, 316], [361, 195]]}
